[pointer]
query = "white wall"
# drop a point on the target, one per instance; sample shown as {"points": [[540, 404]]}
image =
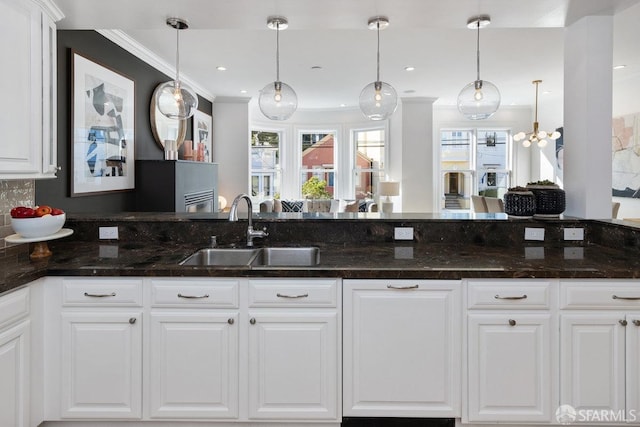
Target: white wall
{"points": [[230, 145]]}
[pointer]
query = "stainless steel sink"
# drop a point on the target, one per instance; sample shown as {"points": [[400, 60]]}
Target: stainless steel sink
{"points": [[294, 256], [255, 257], [220, 256]]}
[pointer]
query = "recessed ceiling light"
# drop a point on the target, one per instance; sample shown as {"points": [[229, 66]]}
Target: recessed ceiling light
{"points": [[243, 91], [410, 91], [546, 92], [409, 68], [316, 67], [343, 105], [619, 67], [221, 68]]}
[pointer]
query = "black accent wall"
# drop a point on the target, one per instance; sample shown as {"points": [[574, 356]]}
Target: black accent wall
{"points": [[56, 192]]}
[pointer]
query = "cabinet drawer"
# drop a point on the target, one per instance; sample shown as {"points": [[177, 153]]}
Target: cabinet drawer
{"points": [[102, 292], [14, 306], [294, 292], [212, 293], [510, 294], [612, 294]]}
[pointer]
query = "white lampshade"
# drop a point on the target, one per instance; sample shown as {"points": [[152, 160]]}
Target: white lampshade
{"points": [[389, 188]]}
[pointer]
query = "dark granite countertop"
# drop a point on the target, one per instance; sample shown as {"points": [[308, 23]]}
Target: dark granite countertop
{"points": [[154, 246], [377, 260]]}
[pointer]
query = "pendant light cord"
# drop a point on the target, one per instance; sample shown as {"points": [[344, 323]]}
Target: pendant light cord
{"points": [[378, 54], [478, 51], [178, 55], [536, 119], [277, 51]]}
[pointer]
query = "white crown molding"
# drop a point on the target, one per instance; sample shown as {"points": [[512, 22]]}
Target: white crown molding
{"points": [[132, 46], [51, 9]]}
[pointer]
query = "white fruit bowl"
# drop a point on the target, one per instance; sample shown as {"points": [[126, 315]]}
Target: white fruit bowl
{"points": [[38, 227]]}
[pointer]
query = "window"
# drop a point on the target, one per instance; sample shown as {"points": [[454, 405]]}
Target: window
{"points": [[265, 164], [369, 161], [318, 158], [473, 161]]}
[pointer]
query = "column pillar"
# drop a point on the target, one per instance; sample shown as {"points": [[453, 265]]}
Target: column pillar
{"points": [[588, 61]]}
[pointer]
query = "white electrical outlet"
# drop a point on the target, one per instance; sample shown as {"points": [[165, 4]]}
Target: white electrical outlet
{"points": [[575, 233], [403, 233], [108, 232], [533, 233]]}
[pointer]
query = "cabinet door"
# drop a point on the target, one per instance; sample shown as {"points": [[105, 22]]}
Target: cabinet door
{"points": [[592, 359], [193, 371], [21, 119], [510, 367], [14, 371], [633, 364], [402, 354], [101, 365], [293, 365]]}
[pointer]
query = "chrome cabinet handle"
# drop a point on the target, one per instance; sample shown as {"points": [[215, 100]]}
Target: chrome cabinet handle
{"points": [[626, 298], [252, 321], [87, 294], [132, 320], [403, 287], [510, 298], [279, 295], [636, 322], [193, 296], [512, 322], [622, 322], [230, 321]]}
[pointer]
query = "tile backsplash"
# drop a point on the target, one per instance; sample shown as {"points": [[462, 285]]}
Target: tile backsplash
{"points": [[19, 192]]}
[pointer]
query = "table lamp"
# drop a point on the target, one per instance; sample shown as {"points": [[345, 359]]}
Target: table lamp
{"points": [[388, 188]]}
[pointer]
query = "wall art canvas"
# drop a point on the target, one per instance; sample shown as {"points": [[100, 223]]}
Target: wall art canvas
{"points": [[102, 129], [202, 133], [625, 146]]}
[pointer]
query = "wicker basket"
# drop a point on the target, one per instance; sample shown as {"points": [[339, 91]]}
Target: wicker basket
{"points": [[520, 203], [550, 199]]}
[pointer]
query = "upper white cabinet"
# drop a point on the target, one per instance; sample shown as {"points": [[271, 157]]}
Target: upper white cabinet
{"points": [[28, 121], [402, 354], [511, 351]]}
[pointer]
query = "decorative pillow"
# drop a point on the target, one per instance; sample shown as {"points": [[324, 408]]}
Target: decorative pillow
{"points": [[277, 205], [351, 207], [292, 205], [362, 205]]}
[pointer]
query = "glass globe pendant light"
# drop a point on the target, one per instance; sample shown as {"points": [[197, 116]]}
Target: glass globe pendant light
{"points": [[479, 99], [378, 100], [538, 136], [175, 99], [278, 101]]}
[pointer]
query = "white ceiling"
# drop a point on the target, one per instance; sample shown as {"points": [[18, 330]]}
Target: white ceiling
{"points": [[524, 42]]}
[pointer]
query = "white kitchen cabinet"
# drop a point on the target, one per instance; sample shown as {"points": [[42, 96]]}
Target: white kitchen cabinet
{"points": [[511, 351], [294, 352], [402, 348], [100, 341], [101, 365], [193, 353], [600, 339], [29, 80], [14, 359]]}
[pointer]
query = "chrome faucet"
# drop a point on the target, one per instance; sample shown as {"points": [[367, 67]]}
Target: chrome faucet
{"points": [[233, 217]]}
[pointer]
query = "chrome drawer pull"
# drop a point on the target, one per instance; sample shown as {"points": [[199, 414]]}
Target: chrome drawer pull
{"points": [[193, 296], [403, 287], [636, 322], [279, 295], [622, 322], [627, 298], [512, 322], [112, 294], [511, 298]]}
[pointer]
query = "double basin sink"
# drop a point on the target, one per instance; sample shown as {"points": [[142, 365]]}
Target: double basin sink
{"points": [[255, 257]]}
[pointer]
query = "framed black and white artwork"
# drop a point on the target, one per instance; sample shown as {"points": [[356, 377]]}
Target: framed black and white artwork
{"points": [[102, 140]]}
